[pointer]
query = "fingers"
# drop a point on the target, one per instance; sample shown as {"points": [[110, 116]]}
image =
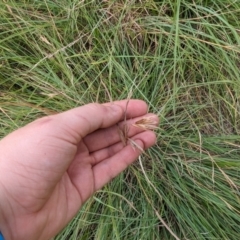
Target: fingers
{"points": [[110, 151], [109, 136], [106, 170], [86, 119]]}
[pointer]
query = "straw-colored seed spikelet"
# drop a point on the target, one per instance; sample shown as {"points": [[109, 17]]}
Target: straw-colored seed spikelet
{"points": [[123, 133], [146, 123]]}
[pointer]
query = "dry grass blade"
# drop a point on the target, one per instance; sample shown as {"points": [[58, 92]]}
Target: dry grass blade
{"points": [[135, 145]]}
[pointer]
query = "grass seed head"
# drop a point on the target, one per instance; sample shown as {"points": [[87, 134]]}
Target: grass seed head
{"points": [[147, 123]]}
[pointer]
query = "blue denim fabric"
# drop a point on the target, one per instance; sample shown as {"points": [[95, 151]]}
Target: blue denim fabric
{"points": [[1, 236]]}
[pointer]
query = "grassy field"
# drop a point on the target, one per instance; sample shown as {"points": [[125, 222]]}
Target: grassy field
{"points": [[183, 58]]}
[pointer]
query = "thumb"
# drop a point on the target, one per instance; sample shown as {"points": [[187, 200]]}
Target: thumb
{"points": [[52, 141], [81, 121]]}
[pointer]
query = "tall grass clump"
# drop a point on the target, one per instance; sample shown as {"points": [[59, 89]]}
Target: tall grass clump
{"points": [[182, 58]]}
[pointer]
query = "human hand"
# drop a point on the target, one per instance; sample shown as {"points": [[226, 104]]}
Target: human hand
{"points": [[50, 167]]}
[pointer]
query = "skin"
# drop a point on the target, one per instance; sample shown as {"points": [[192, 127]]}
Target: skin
{"points": [[51, 166]]}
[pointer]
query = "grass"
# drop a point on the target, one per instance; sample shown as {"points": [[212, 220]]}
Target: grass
{"points": [[182, 58]]}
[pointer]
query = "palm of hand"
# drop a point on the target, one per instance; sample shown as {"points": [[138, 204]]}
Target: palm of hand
{"points": [[56, 171]]}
